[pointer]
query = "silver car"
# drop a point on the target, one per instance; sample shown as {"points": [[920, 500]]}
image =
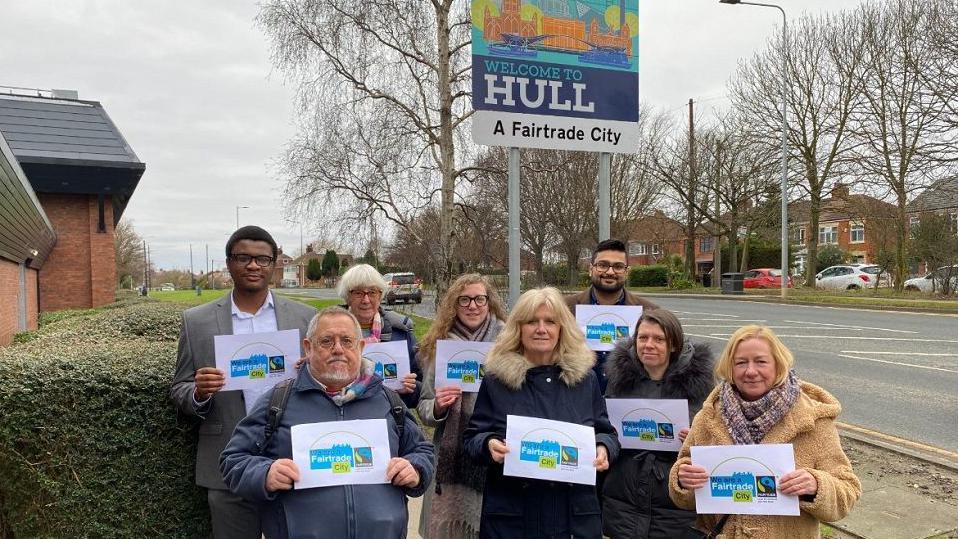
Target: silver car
{"points": [[851, 277], [934, 281]]}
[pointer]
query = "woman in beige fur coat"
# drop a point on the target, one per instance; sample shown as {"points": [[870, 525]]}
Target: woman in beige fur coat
{"points": [[760, 400]]}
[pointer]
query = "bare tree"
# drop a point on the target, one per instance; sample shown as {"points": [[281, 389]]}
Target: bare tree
{"points": [[399, 73], [129, 253], [823, 71], [901, 125]]}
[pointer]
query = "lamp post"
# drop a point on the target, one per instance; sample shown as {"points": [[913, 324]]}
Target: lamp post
{"points": [[784, 185], [238, 208]]}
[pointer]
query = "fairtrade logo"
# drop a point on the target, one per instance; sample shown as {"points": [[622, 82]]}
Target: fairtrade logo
{"points": [[387, 371], [606, 332], [341, 457], [743, 486], [252, 363], [469, 371], [548, 453], [648, 425]]}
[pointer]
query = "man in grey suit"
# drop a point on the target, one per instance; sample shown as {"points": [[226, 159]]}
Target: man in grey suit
{"points": [[250, 308]]}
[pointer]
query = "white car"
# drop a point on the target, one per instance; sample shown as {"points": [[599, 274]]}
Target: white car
{"points": [[933, 281], [850, 277]]}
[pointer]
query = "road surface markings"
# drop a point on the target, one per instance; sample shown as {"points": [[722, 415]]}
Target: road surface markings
{"points": [[847, 326], [707, 314], [898, 363], [771, 327], [720, 320], [898, 353], [846, 337]]}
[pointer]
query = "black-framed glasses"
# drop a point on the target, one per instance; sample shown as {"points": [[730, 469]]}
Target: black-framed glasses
{"points": [[244, 259], [603, 267], [481, 300], [329, 343]]}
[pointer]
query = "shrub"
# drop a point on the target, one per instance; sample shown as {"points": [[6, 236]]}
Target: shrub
{"points": [[90, 445], [649, 276], [683, 283]]}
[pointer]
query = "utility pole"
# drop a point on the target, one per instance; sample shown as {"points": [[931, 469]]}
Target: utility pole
{"points": [[192, 275], [717, 250], [146, 265], [208, 265], [690, 249]]}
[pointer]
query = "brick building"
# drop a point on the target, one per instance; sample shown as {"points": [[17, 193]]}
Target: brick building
{"points": [[70, 174]]}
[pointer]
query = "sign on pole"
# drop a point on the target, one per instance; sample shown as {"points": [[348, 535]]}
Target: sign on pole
{"points": [[556, 74]]}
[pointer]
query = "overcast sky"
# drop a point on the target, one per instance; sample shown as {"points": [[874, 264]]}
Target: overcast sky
{"points": [[191, 87]]}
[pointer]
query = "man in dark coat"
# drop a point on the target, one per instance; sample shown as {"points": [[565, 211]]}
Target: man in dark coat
{"points": [[635, 493], [608, 271]]}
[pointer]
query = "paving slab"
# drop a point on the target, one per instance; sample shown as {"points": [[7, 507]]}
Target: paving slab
{"points": [[895, 513]]}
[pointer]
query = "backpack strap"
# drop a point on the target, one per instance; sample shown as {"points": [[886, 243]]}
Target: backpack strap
{"points": [[397, 409], [274, 413]]}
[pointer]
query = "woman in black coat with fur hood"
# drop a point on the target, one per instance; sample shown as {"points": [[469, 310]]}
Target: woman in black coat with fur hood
{"points": [[657, 363]]}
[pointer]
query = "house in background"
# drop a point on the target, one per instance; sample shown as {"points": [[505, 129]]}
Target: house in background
{"points": [[69, 174]]}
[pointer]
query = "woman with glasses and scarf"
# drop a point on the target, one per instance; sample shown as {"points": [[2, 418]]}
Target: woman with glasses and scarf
{"points": [[470, 311], [760, 401], [362, 288]]}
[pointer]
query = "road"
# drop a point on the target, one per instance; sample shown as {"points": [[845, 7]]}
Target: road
{"points": [[894, 372]]}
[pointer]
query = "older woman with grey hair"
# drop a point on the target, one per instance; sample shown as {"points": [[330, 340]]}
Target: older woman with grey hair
{"points": [[362, 288]]}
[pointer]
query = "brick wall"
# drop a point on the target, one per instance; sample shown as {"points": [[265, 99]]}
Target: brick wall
{"points": [[81, 270], [10, 300]]}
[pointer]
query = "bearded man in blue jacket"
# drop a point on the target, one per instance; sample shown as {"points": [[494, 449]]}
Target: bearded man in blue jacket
{"points": [[335, 384]]}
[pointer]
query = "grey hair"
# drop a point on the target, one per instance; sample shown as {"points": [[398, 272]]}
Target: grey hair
{"points": [[359, 276], [334, 310]]}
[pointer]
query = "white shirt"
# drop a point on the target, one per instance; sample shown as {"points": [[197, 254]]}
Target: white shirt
{"points": [[264, 320]]}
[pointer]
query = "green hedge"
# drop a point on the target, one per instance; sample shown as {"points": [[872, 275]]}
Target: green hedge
{"points": [[90, 445], [649, 276]]}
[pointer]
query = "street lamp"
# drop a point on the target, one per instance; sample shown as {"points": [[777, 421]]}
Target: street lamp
{"points": [[237, 214], [784, 186]]}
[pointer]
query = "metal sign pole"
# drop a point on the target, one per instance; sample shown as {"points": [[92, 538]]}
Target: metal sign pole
{"points": [[514, 246], [605, 196]]}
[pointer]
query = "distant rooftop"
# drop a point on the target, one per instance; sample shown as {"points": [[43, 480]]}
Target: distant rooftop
{"points": [[68, 145]]}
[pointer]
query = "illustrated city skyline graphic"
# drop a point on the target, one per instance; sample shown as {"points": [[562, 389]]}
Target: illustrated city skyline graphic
{"points": [[567, 26], [341, 458], [257, 366]]}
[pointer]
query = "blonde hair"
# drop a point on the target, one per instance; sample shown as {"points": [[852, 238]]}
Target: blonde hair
{"points": [[571, 338], [780, 354], [446, 314]]}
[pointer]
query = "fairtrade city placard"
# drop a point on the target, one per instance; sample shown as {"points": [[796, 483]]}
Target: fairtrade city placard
{"points": [[551, 450], [461, 363], [605, 324], [743, 479], [391, 359], [556, 75], [649, 423], [340, 453], [257, 360]]}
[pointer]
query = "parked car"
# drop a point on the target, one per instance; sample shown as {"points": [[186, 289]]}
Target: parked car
{"points": [[764, 278], [167, 287], [851, 277], [402, 286], [933, 280]]}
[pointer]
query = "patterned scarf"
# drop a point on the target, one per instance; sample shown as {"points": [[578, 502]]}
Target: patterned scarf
{"points": [[749, 421], [355, 389], [461, 332], [375, 330]]}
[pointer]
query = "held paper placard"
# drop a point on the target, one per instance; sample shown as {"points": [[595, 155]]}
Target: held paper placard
{"points": [[550, 450], [257, 360], [340, 453], [605, 324], [391, 359], [649, 423], [743, 479], [461, 363]]}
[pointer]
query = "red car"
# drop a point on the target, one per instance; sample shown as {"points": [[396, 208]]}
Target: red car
{"points": [[764, 278]]}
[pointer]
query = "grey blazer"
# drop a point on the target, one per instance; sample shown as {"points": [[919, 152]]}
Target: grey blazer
{"points": [[226, 409]]}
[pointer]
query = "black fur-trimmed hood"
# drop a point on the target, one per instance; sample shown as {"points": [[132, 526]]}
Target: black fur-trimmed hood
{"points": [[688, 377]]}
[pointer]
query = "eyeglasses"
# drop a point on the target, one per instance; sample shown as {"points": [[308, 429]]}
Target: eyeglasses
{"points": [[481, 300], [358, 294], [603, 267], [329, 343], [244, 259]]}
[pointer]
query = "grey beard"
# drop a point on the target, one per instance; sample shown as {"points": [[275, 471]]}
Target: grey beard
{"points": [[334, 377]]}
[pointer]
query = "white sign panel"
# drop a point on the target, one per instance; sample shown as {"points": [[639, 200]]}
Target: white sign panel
{"points": [[605, 324], [340, 453], [391, 359], [649, 423], [743, 479], [461, 363], [257, 360], [550, 450]]}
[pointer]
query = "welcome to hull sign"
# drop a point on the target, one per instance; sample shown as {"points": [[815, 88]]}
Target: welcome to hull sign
{"points": [[556, 74]]}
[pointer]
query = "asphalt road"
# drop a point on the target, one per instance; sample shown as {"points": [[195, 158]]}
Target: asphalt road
{"points": [[894, 372]]}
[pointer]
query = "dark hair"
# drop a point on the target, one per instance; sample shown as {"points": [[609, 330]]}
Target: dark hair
{"points": [[250, 232], [608, 245], [670, 325]]}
